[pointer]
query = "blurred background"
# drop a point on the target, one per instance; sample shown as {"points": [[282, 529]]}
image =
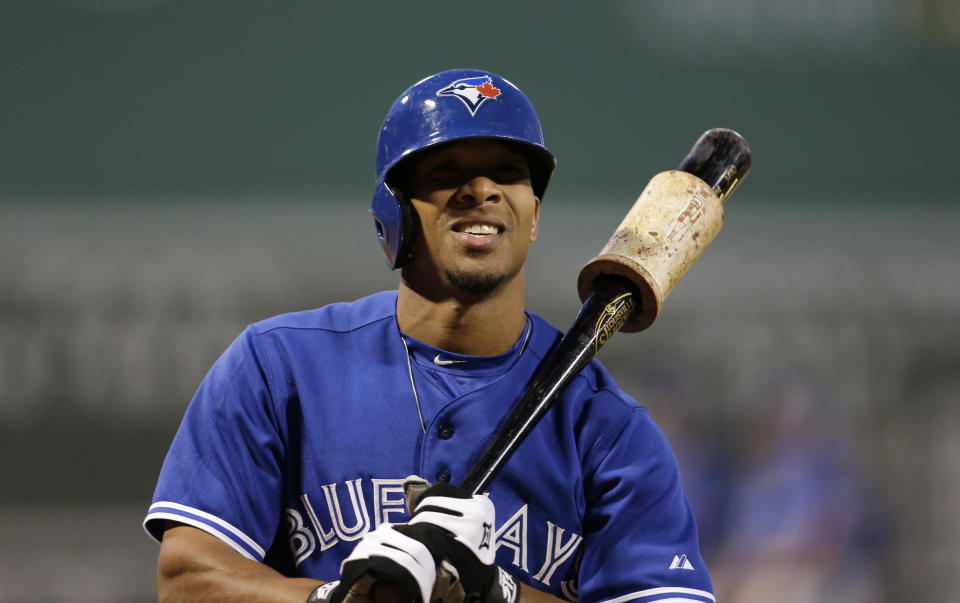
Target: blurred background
{"points": [[171, 171]]}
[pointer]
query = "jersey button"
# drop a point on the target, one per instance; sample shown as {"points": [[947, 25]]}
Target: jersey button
{"points": [[445, 432], [443, 475]]}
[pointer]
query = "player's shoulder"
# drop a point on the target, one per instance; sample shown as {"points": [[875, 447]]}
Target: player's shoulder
{"points": [[608, 409], [594, 381], [339, 317]]}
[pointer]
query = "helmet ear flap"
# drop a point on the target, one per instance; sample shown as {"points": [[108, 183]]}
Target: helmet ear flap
{"points": [[395, 222], [408, 229]]}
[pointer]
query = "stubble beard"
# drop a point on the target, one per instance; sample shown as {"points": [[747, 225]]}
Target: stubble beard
{"points": [[473, 283], [479, 282]]}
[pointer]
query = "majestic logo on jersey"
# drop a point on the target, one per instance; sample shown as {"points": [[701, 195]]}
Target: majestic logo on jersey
{"points": [[681, 562], [473, 91]]}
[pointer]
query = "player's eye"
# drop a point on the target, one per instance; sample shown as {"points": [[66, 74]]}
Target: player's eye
{"points": [[513, 170], [443, 167], [441, 172]]}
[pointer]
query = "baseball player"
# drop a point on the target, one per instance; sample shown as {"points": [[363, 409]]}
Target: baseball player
{"points": [[292, 471]]}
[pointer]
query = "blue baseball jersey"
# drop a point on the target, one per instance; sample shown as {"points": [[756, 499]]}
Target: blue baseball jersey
{"points": [[302, 432]]}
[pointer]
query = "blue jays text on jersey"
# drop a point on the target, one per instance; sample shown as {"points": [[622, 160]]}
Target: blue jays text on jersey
{"points": [[308, 424]]}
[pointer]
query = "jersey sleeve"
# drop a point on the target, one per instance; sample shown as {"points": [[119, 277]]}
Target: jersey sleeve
{"points": [[640, 536], [222, 473]]}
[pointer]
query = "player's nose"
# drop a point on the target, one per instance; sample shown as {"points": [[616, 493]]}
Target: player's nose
{"points": [[479, 190]]}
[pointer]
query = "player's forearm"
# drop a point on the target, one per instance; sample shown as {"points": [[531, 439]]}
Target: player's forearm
{"points": [[195, 566]]}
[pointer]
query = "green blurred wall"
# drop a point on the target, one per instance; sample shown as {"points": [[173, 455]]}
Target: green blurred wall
{"points": [[141, 99]]}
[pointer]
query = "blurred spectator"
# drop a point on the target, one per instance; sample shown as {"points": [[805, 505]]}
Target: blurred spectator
{"points": [[799, 523]]}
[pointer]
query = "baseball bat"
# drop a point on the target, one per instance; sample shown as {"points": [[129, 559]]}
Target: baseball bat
{"points": [[623, 288]]}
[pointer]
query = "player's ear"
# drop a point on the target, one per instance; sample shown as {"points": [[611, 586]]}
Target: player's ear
{"points": [[536, 219]]}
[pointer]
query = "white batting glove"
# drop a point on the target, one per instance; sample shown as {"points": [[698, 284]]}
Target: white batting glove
{"points": [[458, 529], [386, 555], [471, 520]]}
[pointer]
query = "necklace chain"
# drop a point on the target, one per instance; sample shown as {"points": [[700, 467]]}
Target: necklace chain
{"points": [[413, 386]]}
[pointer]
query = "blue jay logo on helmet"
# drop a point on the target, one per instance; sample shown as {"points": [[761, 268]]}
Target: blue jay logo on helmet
{"points": [[473, 91]]}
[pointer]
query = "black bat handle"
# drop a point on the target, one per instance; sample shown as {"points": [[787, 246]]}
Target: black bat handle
{"points": [[602, 315]]}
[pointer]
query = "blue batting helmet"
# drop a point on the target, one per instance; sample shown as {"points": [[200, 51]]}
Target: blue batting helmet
{"points": [[448, 106]]}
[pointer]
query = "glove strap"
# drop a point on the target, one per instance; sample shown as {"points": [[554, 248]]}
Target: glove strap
{"points": [[504, 588], [321, 594]]}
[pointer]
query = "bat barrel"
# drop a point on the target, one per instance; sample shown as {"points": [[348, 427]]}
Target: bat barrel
{"points": [[721, 158], [676, 216]]}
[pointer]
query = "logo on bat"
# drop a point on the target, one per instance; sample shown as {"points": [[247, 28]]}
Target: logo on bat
{"points": [[472, 91], [685, 219], [612, 318]]}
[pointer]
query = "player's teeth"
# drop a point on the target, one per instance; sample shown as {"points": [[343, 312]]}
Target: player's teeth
{"points": [[481, 229]]}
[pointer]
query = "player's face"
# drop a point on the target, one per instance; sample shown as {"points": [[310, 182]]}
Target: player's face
{"points": [[477, 211]]}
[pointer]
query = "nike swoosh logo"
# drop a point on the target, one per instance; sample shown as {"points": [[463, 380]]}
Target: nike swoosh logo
{"points": [[439, 362]]}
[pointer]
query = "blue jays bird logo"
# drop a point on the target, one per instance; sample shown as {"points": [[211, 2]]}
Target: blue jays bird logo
{"points": [[473, 91]]}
